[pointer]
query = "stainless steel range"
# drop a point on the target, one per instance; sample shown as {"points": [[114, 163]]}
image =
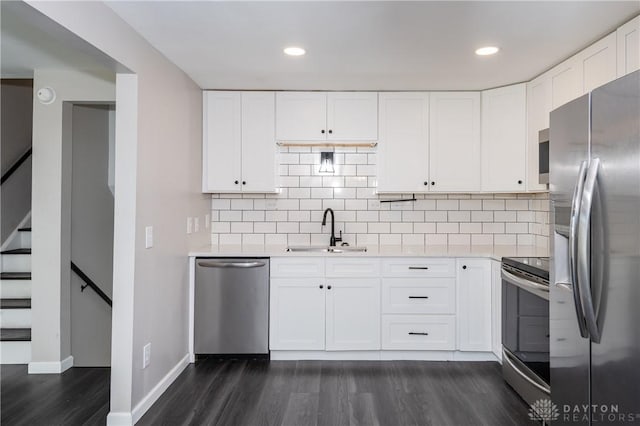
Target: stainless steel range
{"points": [[525, 326]]}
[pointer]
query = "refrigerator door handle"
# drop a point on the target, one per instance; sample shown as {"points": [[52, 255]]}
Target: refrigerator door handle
{"points": [[584, 265], [573, 248]]}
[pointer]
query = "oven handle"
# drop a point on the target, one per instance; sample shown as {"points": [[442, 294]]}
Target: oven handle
{"points": [[521, 282], [506, 356]]}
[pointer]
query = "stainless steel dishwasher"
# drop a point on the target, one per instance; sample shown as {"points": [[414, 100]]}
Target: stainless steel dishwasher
{"points": [[231, 306]]}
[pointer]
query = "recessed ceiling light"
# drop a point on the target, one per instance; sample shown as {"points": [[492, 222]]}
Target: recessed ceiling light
{"points": [[294, 51], [487, 50]]}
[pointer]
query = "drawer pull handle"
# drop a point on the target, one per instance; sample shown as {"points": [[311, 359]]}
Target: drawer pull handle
{"points": [[418, 267], [413, 333], [418, 297]]}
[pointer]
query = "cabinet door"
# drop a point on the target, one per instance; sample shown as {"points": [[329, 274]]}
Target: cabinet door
{"points": [[628, 45], [258, 142], [454, 141], [496, 309], [566, 82], [297, 314], [504, 139], [403, 147], [353, 314], [352, 116], [221, 142], [301, 116], [538, 109], [598, 63], [474, 304]]}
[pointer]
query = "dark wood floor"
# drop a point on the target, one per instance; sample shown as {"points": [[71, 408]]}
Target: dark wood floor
{"points": [[79, 396], [336, 393]]}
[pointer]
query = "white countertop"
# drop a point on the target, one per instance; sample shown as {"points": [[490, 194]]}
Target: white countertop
{"points": [[495, 252]]}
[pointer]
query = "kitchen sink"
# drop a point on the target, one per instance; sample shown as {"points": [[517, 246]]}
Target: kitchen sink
{"points": [[325, 249]]}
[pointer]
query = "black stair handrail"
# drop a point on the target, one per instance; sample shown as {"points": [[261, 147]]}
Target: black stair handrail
{"points": [[89, 283], [16, 166]]}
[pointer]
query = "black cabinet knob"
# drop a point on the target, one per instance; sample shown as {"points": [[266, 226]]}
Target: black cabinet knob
{"points": [[236, 182], [432, 183], [519, 182], [330, 131], [244, 182], [321, 286], [329, 287], [426, 183], [464, 266], [322, 131]]}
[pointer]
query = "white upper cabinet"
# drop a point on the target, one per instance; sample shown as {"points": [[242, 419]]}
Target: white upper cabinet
{"points": [[454, 141], [403, 147], [352, 116], [566, 82], [322, 116], [259, 163], [504, 139], [474, 305], [301, 116], [222, 142], [239, 150], [598, 63], [628, 45], [538, 109]]}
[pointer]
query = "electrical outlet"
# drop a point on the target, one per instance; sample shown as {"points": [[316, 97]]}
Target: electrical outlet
{"points": [[373, 205], [148, 237], [146, 355], [271, 204], [196, 224], [207, 221], [189, 225]]}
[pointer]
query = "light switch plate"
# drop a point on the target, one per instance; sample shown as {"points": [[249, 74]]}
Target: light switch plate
{"points": [[189, 225], [146, 355], [196, 224], [207, 221], [148, 237]]}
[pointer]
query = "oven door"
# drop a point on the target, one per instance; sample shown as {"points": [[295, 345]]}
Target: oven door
{"points": [[525, 323]]}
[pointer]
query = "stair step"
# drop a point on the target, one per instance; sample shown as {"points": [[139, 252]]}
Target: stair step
{"points": [[15, 275], [15, 334], [24, 229], [15, 303], [17, 251]]}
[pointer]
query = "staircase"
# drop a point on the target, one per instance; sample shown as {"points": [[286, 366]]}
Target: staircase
{"points": [[15, 300]]}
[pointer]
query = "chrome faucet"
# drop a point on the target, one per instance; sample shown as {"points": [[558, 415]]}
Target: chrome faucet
{"points": [[333, 240]]}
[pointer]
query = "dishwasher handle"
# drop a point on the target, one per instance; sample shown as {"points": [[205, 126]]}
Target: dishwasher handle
{"points": [[223, 264]]}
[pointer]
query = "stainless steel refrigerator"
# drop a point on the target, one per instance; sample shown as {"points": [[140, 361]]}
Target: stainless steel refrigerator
{"points": [[594, 184]]}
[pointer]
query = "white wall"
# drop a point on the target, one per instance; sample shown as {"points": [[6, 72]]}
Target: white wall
{"points": [[15, 138], [51, 211], [157, 181], [91, 234]]}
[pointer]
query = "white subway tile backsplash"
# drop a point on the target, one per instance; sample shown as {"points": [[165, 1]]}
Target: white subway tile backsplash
{"points": [[293, 216]]}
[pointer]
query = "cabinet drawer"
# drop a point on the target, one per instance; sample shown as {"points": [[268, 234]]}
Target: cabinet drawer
{"points": [[418, 332], [419, 267], [353, 267], [308, 267], [419, 295]]}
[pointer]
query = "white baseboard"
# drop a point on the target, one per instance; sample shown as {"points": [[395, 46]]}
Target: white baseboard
{"points": [[158, 390], [119, 419], [55, 367], [382, 356]]}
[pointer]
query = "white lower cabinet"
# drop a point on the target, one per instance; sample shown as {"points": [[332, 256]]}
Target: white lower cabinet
{"points": [[474, 305], [297, 314], [419, 332], [399, 304], [353, 314]]}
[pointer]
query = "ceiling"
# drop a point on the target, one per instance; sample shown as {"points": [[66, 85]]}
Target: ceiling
{"points": [[379, 45], [30, 40]]}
